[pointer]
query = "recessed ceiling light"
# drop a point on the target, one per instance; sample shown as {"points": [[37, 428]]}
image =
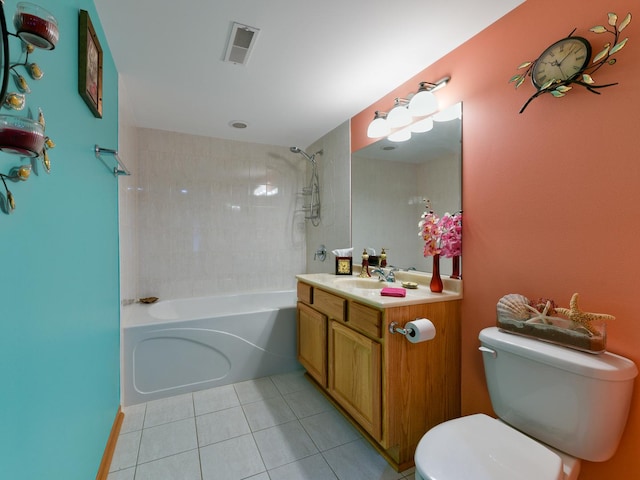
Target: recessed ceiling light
{"points": [[238, 124]]}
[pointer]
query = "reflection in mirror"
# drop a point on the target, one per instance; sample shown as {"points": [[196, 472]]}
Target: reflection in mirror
{"points": [[388, 183]]}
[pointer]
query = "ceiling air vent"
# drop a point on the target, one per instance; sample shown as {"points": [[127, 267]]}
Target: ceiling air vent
{"points": [[240, 44]]}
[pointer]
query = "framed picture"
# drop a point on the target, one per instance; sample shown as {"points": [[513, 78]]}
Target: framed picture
{"points": [[89, 65]]}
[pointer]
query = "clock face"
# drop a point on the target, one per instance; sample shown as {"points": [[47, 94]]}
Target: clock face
{"points": [[561, 61]]}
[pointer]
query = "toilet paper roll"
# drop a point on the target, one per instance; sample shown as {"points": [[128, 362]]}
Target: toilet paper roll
{"points": [[420, 330]]}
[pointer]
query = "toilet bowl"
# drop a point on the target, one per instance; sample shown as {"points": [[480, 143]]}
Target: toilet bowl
{"points": [[480, 447], [555, 406]]}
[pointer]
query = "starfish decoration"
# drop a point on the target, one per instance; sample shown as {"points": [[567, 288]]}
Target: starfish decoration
{"points": [[583, 318], [540, 317]]}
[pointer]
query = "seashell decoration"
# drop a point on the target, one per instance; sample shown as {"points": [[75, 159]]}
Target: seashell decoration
{"points": [[513, 307], [148, 300], [539, 319]]}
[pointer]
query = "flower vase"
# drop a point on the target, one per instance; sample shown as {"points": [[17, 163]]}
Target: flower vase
{"points": [[436, 281], [455, 267]]}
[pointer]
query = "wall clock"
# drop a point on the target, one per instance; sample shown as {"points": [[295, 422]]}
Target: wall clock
{"points": [[564, 60], [567, 62]]}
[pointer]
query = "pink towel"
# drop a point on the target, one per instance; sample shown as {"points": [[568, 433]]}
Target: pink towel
{"points": [[393, 292]]}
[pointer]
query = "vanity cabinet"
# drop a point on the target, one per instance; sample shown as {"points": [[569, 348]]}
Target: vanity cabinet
{"points": [[355, 376], [312, 342], [392, 390]]}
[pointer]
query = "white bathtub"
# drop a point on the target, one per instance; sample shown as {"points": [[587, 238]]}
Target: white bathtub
{"points": [[181, 346]]}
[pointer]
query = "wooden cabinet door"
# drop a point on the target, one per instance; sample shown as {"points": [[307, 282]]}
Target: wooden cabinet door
{"points": [[312, 342], [355, 376]]}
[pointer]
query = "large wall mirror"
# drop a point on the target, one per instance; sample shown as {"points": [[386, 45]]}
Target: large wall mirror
{"points": [[388, 183]]}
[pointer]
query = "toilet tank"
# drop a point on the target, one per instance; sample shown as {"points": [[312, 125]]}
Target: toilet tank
{"points": [[574, 401]]}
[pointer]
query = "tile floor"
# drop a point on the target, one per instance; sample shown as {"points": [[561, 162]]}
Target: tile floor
{"points": [[272, 428]]}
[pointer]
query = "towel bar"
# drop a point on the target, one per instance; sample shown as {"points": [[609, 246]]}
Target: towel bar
{"points": [[123, 170]]}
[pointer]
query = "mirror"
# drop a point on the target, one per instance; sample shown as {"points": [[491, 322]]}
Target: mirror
{"points": [[388, 183]]}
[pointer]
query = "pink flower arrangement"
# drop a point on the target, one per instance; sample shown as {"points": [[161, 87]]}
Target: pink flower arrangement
{"points": [[451, 234], [430, 232], [442, 236]]}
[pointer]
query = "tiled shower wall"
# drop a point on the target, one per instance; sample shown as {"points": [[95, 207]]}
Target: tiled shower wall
{"points": [[127, 198], [204, 224], [334, 170]]}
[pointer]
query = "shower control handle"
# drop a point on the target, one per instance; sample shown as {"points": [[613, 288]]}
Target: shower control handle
{"points": [[321, 253]]}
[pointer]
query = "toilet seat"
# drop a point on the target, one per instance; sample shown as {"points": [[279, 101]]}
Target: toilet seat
{"points": [[483, 448]]}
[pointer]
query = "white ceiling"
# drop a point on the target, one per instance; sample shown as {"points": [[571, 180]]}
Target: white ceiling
{"points": [[315, 64]]}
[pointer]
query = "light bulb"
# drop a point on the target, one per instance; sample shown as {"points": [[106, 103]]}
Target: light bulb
{"points": [[379, 127], [423, 103], [399, 115]]}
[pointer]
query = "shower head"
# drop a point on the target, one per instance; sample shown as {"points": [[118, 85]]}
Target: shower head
{"points": [[311, 158]]}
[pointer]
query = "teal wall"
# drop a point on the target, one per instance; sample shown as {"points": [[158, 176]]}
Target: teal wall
{"points": [[59, 301]]}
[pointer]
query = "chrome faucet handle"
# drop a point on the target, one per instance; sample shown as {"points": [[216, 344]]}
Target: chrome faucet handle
{"points": [[321, 253], [380, 273], [383, 277]]}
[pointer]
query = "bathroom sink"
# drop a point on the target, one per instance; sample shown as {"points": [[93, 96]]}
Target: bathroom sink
{"points": [[364, 283]]}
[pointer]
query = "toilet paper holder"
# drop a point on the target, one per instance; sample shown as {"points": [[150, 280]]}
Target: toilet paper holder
{"points": [[393, 328], [414, 333]]}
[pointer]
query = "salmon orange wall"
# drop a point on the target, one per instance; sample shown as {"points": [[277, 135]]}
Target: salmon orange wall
{"points": [[551, 197]]}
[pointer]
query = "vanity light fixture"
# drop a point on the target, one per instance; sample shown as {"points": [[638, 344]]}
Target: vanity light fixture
{"points": [[424, 102], [423, 125], [401, 135], [399, 115], [451, 113], [411, 112], [379, 127]]}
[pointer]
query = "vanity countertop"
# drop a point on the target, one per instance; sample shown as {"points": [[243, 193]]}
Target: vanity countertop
{"points": [[340, 285]]}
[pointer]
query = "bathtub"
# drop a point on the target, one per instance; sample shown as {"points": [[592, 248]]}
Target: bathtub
{"points": [[180, 346]]}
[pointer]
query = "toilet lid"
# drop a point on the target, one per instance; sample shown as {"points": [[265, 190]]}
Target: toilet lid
{"points": [[483, 448]]}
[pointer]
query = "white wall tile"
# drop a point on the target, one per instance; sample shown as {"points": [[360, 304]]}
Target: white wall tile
{"points": [[199, 228], [334, 170], [128, 192], [190, 226]]}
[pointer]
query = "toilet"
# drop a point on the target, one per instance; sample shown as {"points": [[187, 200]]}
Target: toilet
{"points": [[556, 406]]}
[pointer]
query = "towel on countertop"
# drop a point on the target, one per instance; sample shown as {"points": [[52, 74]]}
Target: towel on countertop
{"points": [[393, 292]]}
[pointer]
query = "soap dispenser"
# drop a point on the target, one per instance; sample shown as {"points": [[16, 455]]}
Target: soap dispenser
{"points": [[364, 270], [383, 258]]}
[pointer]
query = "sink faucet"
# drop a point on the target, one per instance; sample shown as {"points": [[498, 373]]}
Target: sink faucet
{"points": [[383, 277]]}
